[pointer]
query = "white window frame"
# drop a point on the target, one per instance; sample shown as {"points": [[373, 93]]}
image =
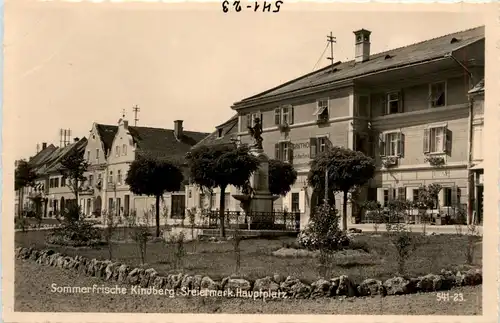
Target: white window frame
{"points": [[119, 177], [284, 151], [392, 138], [254, 115], [432, 129], [431, 96], [281, 116], [322, 143], [320, 108], [389, 100], [124, 150]]}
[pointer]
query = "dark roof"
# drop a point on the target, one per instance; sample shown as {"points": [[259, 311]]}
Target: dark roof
{"points": [[53, 163], [478, 88], [229, 130], [107, 134], [42, 155], [423, 51], [162, 143]]}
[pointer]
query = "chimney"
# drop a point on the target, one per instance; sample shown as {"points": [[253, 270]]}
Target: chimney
{"points": [[44, 145], [178, 129], [362, 47], [76, 139]]}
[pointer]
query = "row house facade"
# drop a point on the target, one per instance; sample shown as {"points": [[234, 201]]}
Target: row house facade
{"points": [[111, 150], [408, 108]]}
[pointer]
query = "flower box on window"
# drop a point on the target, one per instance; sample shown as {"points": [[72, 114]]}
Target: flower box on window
{"points": [[284, 127], [435, 161], [389, 161]]}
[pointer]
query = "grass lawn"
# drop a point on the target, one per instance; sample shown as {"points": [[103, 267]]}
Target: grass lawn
{"points": [[217, 259], [33, 294]]}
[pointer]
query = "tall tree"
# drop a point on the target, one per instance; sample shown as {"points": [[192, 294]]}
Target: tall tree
{"points": [[24, 176], [153, 177], [346, 170], [221, 166], [73, 166], [281, 177]]}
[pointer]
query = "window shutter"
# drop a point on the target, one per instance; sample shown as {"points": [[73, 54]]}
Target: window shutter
{"points": [[277, 151], [290, 115], [249, 119], [401, 102], [302, 201], [383, 104], [426, 141], [381, 144], [447, 140], [401, 143], [312, 147], [392, 193]]}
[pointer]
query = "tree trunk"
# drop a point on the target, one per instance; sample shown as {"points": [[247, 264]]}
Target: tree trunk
{"points": [[21, 199], [344, 212], [221, 211], [157, 215]]}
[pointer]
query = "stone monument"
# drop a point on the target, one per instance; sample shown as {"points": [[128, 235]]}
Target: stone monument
{"points": [[260, 207]]}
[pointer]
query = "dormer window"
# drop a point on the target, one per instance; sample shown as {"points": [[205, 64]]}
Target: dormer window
{"points": [[219, 133]]}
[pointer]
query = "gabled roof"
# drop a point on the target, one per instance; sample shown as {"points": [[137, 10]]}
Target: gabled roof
{"points": [[229, 130], [428, 50], [107, 134], [478, 88], [162, 143]]}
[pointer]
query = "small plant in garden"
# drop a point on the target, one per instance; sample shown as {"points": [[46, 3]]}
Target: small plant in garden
{"points": [[179, 250], [21, 223], [236, 245], [191, 214], [472, 233], [141, 235], [109, 230], [324, 234], [376, 213]]}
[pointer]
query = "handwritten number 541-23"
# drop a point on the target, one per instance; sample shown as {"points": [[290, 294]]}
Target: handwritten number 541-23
{"points": [[255, 6]]}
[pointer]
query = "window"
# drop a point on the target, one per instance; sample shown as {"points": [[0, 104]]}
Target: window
{"points": [[63, 181], [124, 150], [110, 204], [110, 178], [56, 182], [318, 145], [91, 180], [386, 197], [251, 118], [451, 196], [119, 177], [117, 150], [201, 203], [295, 202], [190, 194], [437, 140], [416, 194], [437, 94], [402, 193], [178, 206], [219, 133], [394, 104], [321, 112], [97, 154], [283, 115], [88, 155], [392, 144], [283, 151]]}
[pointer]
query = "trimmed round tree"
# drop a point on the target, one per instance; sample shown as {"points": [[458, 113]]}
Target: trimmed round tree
{"points": [[153, 177], [221, 166], [346, 169], [281, 177]]}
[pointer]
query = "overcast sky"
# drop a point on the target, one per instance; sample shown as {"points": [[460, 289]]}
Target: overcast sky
{"points": [[70, 64]]}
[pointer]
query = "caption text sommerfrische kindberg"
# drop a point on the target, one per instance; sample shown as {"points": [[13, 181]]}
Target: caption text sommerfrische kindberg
{"points": [[171, 293]]}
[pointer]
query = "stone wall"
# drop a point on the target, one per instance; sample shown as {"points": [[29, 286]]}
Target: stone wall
{"points": [[270, 287]]}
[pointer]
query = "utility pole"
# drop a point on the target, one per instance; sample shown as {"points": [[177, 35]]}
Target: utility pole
{"points": [[332, 40], [136, 110]]}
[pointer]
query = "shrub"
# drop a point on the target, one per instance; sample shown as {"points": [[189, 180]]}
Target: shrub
{"points": [[323, 232], [76, 234], [141, 235], [20, 222], [179, 251]]}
